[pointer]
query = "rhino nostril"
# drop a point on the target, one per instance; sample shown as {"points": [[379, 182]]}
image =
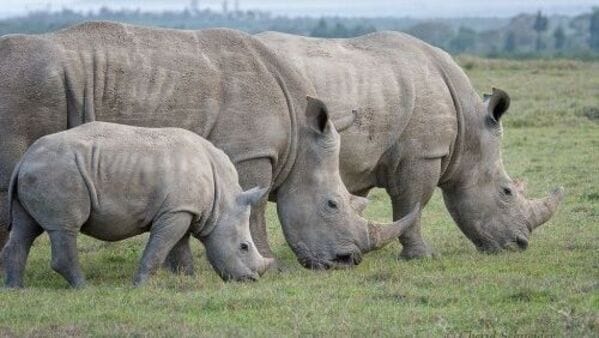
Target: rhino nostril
{"points": [[522, 242], [344, 259], [349, 259], [357, 258]]}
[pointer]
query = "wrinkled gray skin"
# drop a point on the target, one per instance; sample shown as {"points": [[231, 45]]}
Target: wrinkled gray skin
{"points": [[112, 182], [419, 124], [225, 86]]}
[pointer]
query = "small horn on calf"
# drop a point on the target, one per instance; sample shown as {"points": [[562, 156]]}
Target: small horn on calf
{"points": [[345, 122], [266, 263], [541, 210], [379, 235]]}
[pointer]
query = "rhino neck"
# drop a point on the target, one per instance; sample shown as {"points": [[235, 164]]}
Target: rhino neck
{"points": [[284, 164], [450, 164], [204, 226]]}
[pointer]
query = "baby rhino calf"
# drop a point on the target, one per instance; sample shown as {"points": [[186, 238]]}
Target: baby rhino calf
{"points": [[113, 182]]}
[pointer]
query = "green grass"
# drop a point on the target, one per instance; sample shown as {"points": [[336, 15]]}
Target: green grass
{"points": [[551, 289]]}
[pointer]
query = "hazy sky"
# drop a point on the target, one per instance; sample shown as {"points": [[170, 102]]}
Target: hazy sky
{"points": [[414, 8]]}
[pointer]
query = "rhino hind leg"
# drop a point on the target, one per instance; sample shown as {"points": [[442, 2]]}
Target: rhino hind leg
{"points": [[414, 182], [65, 257], [180, 259], [14, 256], [165, 233], [3, 219]]}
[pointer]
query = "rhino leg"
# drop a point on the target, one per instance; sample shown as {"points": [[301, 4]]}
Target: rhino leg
{"points": [[3, 219], [65, 257], [12, 148], [180, 259], [257, 173], [414, 182], [14, 256], [165, 233]]}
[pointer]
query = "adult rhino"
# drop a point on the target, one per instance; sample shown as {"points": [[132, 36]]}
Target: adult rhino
{"points": [[419, 125], [224, 85]]}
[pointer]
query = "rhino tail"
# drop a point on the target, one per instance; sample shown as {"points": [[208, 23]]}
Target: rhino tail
{"points": [[12, 191]]}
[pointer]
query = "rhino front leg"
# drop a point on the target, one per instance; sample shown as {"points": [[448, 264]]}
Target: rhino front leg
{"points": [[414, 245], [257, 173], [65, 257], [166, 231], [180, 259], [415, 181]]}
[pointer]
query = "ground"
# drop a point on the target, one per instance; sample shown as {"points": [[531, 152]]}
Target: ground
{"points": [[551, 137]]}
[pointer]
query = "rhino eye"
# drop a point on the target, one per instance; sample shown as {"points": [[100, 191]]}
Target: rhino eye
{"points": [[507, 191], [332, 204], [244, 247]]}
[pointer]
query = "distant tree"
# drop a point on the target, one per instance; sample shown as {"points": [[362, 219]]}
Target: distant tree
{"points": [[321, 30], [560, 38], [463, 41], [340, 31], [510, 43], [195, 6], [540, 26], [225, 6], [594, 29], [361, 30]]}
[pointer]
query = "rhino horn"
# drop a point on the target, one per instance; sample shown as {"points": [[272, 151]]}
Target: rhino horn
{"points": [[381, 235], [541, 210], [265, 264]]}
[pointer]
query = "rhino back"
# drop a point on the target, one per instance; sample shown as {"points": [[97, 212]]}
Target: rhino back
{"points": [[396, 82]]}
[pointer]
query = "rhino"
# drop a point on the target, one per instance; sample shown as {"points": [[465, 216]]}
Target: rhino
{"points": [[113, 182], [419, 125], [221, 84]]}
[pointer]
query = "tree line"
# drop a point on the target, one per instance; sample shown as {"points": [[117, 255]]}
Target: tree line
{"points": [[524, 35]]}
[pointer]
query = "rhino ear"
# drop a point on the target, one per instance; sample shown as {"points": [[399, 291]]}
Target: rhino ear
{"points": [[497, 103], [317, 114], [251, 197]]}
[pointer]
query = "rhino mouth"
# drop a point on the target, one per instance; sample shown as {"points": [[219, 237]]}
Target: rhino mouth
{"points": [[518, 243], [344, 260], [347, 260], [248, 278]]}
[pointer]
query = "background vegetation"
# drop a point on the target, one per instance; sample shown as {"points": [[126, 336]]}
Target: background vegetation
{"points": [[551, 137], [523, 36]]}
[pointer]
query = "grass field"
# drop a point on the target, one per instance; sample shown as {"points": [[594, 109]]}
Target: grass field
{"points": [[551, 138]]}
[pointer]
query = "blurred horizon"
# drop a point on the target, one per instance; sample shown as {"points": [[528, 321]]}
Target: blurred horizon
{"points": [[316, 8]]}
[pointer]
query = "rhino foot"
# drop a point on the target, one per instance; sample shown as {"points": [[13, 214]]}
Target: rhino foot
{"points": [[180, 268], [417, 251], [180, 258]]}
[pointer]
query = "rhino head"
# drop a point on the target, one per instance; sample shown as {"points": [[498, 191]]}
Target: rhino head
{"points": [[229, 245], [320, 218], [490, 208]]}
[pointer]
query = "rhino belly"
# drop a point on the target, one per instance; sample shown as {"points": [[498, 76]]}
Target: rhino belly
{"points": [[113, 228]]}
